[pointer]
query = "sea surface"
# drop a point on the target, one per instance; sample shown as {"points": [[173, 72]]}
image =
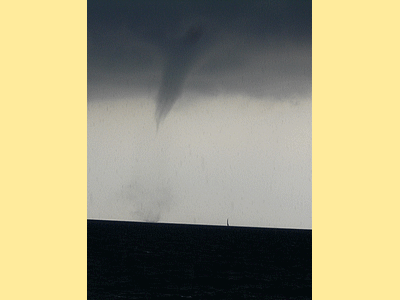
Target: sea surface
{"points": [[133, 260]]}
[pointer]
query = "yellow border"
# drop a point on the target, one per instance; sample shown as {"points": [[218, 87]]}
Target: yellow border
{"points": [[356, 150], [43, 141]]}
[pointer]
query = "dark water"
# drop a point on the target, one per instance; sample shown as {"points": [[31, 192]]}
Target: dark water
{"points": [[130, 260]]}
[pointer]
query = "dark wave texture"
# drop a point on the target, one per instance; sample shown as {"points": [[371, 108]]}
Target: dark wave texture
{"points": [[129, 260]]}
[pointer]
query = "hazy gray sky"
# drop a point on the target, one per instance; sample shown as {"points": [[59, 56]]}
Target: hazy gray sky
{"points": [[229, 83]]}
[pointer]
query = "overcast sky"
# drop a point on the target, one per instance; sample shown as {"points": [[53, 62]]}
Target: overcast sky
{"points": [[199, 111]]}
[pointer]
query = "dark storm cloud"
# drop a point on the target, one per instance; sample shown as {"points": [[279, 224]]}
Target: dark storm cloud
{"points": [[257, 48]]}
